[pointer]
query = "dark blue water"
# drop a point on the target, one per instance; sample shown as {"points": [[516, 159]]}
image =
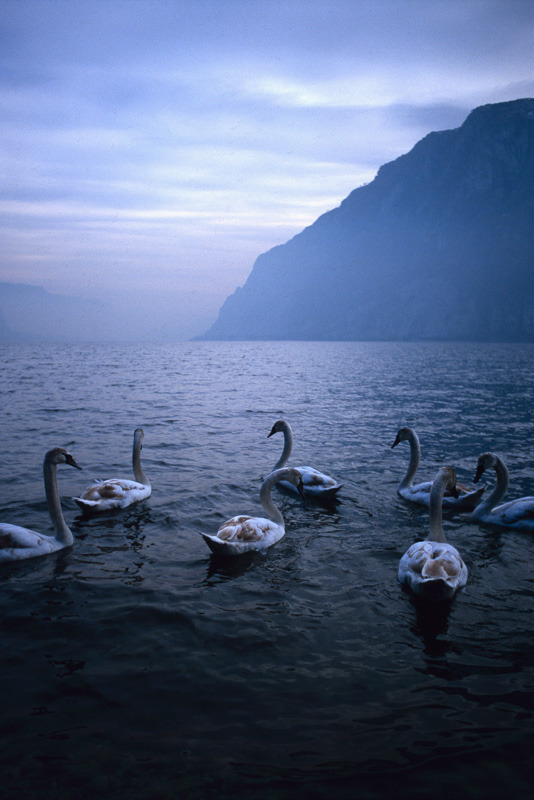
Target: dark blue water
{"points": [[135, 664]]}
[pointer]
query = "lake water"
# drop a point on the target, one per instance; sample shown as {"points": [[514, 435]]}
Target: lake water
{"points": [[136, 664]]}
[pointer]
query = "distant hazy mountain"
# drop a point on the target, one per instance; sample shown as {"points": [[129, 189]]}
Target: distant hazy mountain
{"points": [[31, 314], [439, 246], [6, 335]]}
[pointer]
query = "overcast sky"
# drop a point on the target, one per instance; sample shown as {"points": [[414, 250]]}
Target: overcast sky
{"points": [[154, 149]]}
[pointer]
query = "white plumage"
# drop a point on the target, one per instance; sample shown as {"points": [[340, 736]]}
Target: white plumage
{"points": [[118, 492], [465, 500], [517, 514], [316, 484], [241, 534], [433, 568], [17, 543]]}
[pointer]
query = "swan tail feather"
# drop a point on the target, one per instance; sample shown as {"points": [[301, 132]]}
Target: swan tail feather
{"points": [[470, 500], [86, 505], [214, 545], [329, 492]]}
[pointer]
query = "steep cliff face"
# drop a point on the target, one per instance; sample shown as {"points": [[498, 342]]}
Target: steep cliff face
{"points": [[439, 246]]}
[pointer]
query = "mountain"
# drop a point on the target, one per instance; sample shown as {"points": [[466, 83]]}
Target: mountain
{"points": [[31, 314], [440, 245], [6, 334]]}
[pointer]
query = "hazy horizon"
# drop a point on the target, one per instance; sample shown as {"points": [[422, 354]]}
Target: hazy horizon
{"points": [[152, 150]]}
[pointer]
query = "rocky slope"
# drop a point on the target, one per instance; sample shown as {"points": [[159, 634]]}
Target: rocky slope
{"points": [[439, 246]]}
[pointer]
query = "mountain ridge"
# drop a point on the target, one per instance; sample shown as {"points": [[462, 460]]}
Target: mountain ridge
{"points": [[440, 245]]}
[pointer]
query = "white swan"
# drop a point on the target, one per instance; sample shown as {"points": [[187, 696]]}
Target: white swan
{"points": [[316, 484], [517, 514], [241, 534], [118, 492], [466, 499], [17, 543], [434, 568]]}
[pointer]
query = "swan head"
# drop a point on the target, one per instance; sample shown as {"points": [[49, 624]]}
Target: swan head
{"points": [[448, 476], [139, 435], [58, 455], [293, 476], [279, 427], [485, 461], [403, 435]]}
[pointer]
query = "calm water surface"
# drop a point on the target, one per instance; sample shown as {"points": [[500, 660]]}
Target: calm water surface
{"points": [[137, 664]]}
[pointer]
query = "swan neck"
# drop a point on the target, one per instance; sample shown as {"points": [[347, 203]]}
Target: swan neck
{"points": [[138, 471], [499, 490], [415, 457], [63, 533], [437, 534], [288, 446], [266, 500]]}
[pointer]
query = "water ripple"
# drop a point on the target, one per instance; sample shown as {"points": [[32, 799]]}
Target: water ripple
{"points": [[301, 672]]}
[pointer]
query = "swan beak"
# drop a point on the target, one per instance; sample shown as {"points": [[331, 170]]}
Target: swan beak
{"points": [[479, 473], [70, 460], [271, 433], [395, 443], [454, 491]]}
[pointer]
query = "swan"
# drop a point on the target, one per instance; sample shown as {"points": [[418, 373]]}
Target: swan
{"points": [[434, 568], [17, 543], [466, 499], [517, 514], [316, 484], [118, 492], [242, 533]]}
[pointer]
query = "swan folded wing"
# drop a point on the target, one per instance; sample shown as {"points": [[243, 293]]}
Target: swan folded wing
{"points": [[113, 493], [419, 488], [432, 560], [242, 534], [447, 567], [426, 486], [246, 529], [416, 557], [17, 542], [516, 512], [113, 488], [312, 477], [466, 489], [466, 498], [314, 483], [432, 572]]}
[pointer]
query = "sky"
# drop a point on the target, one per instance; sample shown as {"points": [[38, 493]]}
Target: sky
{"points": [[150, 150]]}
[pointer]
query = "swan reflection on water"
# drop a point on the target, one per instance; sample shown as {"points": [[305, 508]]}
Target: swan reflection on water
{"points": [[134, 521], [431, 625], [226, 568], [40, 569]]}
